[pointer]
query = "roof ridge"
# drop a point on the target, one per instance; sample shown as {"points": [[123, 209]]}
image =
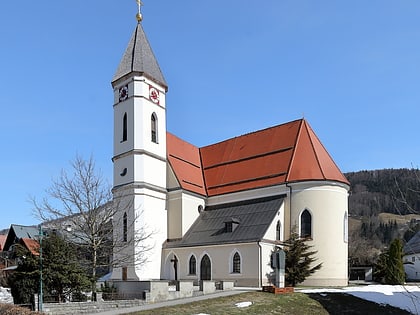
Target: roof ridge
{"points": [[254, 132], [305, 125], [294, 151]]}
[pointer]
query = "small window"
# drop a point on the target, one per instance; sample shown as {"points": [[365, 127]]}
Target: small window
{"points": [[154, 128], [125, 227], [413, 259], [236, 263], [278, 231], [124, 273], [192, 265], [231, 225], [306, 224], [228, 227], [124, 130]]}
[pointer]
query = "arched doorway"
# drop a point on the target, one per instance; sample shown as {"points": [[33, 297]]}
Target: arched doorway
{"points": [[205, 268]]}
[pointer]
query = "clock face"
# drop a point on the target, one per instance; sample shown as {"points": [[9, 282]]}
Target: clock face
{"points": [[123, 93], [154, 95]]}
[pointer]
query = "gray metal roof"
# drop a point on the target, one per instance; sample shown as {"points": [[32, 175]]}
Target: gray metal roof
{"points": [[413, 245], [139, 58], [254, 217], [25, 231]]}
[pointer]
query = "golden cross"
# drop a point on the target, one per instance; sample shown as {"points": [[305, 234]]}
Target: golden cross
{"points": [[139, 16]]}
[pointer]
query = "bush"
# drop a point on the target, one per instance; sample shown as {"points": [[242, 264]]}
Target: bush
{"points": [[10, 309]]}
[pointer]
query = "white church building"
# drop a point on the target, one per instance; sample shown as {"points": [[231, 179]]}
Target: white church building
{"points": [[217, 212]]}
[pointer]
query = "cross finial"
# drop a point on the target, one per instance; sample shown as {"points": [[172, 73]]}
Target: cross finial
{"points": [[138, 15]]}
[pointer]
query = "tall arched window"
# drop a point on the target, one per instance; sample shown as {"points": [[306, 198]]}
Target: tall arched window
{"points": [[278, 231], [346, 228], [154, 128], [192, 265], [236, 263], [306, 224], [124, 129], [125, 227]]}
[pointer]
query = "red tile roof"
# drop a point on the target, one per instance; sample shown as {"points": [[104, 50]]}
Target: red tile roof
{"points": [[184, 159], [282, 154], [31, 245]]}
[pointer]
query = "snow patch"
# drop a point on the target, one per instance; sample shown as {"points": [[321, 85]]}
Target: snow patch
{"points": [[406, 297], [243, 304]]}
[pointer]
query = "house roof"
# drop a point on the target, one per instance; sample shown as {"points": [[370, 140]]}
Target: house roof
{"points": [[31, 244], [413, 245], [17, 232], [286, 153], [139, 58], [2, 241], [253, 217]]}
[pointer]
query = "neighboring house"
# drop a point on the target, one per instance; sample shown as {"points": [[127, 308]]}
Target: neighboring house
{"points": [[25, 235], [411, 258], [2, 241], [217, 212]]}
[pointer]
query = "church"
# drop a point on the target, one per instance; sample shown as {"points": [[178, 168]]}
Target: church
{"points": [[217, 212]]}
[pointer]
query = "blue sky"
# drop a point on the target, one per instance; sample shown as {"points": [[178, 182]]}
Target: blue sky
{"points": [[351, 68]]}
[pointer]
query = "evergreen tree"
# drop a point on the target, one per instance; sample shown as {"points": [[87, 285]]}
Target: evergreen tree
{"points": [[24, 281], [389, 268], [299, 260], [63, 273], [395, 274]]}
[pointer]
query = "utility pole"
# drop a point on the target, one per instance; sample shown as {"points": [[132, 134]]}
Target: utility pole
{"points": [[41, 296]]}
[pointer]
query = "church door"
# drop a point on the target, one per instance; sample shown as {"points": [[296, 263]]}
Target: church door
{"points": [[205, 268]]}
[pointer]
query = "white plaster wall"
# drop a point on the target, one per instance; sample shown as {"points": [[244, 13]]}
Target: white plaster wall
{"points": [[151, 219], [182, 212], [272, 229], [143, 110], [328, 205], [175, 214], [221, 263], [412, 266]]}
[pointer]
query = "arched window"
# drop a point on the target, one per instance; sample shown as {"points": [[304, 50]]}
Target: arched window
{"points": [[192, 265], [346, 228], [154, 128], [124, 130], [306, 224], [278, 231], [125, 227], [236, 263]]}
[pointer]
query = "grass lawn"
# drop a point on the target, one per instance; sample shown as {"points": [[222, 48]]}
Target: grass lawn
{"points": [[262, 303], [291, 304]]}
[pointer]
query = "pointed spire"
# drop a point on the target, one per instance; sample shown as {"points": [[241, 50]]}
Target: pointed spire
{"points": [[138, 58]]}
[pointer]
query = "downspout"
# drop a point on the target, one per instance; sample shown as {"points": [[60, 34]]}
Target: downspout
{"points": [[259, 264], [290, 207]]}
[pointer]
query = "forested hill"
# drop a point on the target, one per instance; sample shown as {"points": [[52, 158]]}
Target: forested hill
{"points": [[394, 191]]}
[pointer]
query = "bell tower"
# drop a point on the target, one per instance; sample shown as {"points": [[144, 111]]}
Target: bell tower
{"points": [[139, 158]]}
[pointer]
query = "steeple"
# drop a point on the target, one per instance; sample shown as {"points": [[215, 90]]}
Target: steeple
{"points": [[139, 59]]}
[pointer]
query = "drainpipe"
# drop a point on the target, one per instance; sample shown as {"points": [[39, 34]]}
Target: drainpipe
{"points": [[290, 206], [259, 264]]}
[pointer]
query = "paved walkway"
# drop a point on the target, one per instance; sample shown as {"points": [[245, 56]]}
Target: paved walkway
{"points": [[174, 302]]}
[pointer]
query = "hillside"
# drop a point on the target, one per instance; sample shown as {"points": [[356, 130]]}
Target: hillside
{"points": [[394, 191], [383, 205]]}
